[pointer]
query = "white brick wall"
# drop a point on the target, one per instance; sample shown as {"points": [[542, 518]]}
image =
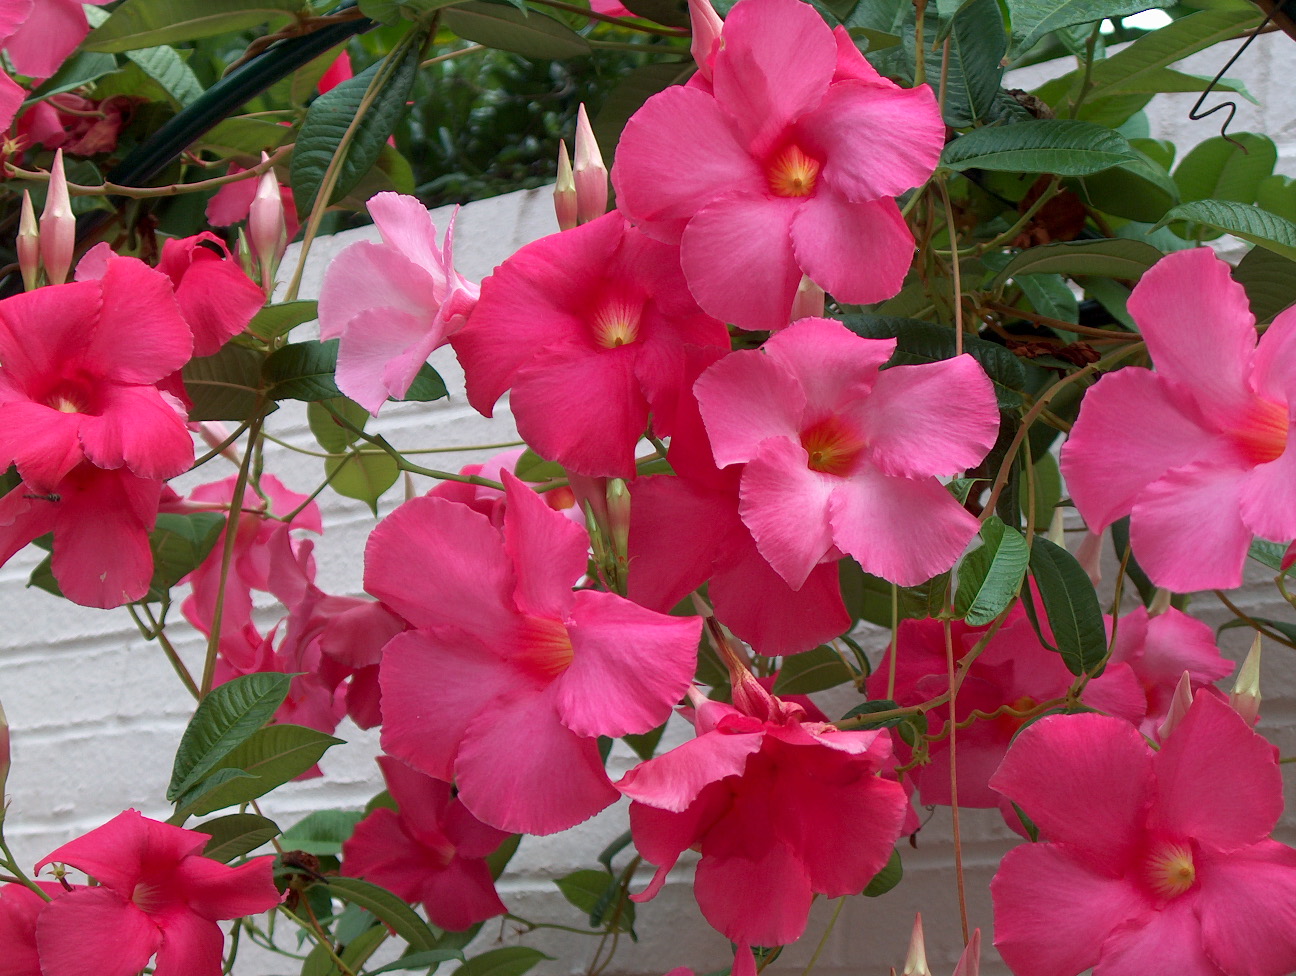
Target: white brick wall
{"points": [[96, 712]]}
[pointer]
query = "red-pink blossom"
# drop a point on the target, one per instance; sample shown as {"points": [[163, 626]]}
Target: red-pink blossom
{"points": [[781, 808], [77, 125], [590, 329], [156, 894], [392, 303], [502, 644], [780, 165], [1209, 463], [1154, 862], [39, 34], [216, 297], [842, 456], [20, 907], [430, 849]]}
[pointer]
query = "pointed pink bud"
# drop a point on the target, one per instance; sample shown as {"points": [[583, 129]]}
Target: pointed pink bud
{"points": [[808, 303], [267, 225], [618, 507], [565, 190], [4, 757], [916, 961], [216, 436], [1160, 602], [1179, 705], [1089, 556], [1245, 698], [589, 172], [706, 34], [969, 963], [57, 226], [1289, 558], [28, 243]]}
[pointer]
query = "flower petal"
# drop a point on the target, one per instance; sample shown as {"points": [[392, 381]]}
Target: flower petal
{"points": [[191, 946], [786, 507], [675, 779], [857, 252], [1165, 941], [549, 551], [95, 924], [1248, 909], [831, 364], [733, 892]]}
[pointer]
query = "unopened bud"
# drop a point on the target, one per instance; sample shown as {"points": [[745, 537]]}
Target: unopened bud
{"points": [[1057, 529], [565, 190], [1179, 704], [589, 172], [267, 226], [707, 25], [4, 757], [1160, 602], [808, 302], [618, 508], [57, 226], [969, 963], [916, 961], [1245, 698], [1089, 556], [216, 436], [28, 243]]}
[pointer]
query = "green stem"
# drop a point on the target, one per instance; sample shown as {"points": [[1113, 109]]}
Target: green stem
{"points": [[153, 631], [10, 862], [823, 940]]}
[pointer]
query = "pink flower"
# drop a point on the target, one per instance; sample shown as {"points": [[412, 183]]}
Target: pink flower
{"points": [[338, 72], [20, 907], [78, 125], [40, 34], [589, 328], [216, 298], [1209, 464], [156, 894], [1013, 670], [785, 166], [782, 808], [77, 382], [233, 202], [842, 456], [430, 850], [1155, 862], [501, 644], [392, 303]]}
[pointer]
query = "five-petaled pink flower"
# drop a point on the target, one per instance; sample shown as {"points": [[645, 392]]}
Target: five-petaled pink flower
{"points": [[1155, 862], [843, 456], [430, 850], [788, 164], [157, 893], [509, 676], [1208, 463]]}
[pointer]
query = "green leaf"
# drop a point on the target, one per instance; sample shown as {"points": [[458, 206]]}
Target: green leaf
{"points": [[1138, 190], [507, 961], [645, 744], [813, 670], [505, 28], [274, 321], [425, 959], [1277, 194], [223, 720], [180, 543], [533, 468], [385, 906], [329, 434], [321, 833], [1048, 491], [1032, 19], [887, 878], [1288, 630], [1241, 220], [1111, 258], [428, 385], [878, 705], [1072, 607], [1066, 147], [243, 136], [235, 835], [303, 371], [586, 889], [165, 66], [1269, 280], [271, 756], [990, 575], [225, 386], [363, 477], [1049, 295], [1219, 170], [977, 44], [331, 115], [80, 69], [148, 23], [669, 13]]}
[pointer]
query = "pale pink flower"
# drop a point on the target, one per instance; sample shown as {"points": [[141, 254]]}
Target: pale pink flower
{"points": [[502, 644], [780, 166], [1208, 463], [842, 456], [40, 34], [392, 303], [1154, 862]]}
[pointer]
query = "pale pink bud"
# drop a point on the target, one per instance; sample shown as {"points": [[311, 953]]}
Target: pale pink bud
{"points": [[808, 302], [969, 963], [267, 226], [1089, 555], [1160, 602], [57, 226], [707, 26], [1245, 699], [28, 243], [1179, 705], [589, 172], [4, 757], [1057, 529], [565, 190], [216, 436], [916, 961]]}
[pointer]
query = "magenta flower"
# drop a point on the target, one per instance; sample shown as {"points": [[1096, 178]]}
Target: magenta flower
{"points": [[392, 303], [156, 894], [80, 364], [20, 907], [1155, 862], [844, 456], [430, 850], [1209, 464], [216, 298], [40, 34], [502, 644], [589, 328], [782, 808], [782, 168]]}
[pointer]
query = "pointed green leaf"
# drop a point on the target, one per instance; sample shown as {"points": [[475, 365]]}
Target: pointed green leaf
{"points": [[990, 575], [165, 66], [887, 878], [1032, 19], [1242, 220], [504, 27], [1217, 169], [507, 961], [274, 321], [80, 69], [272, 756], [385, 906], [224, 386], [1269, 280], [180, 543], [303, 371], [813, 670], [363, 477], [335, 437], [148, 23], [1063, 146], [235, 835], [1112, 258], [417, 960], [427, 386], [322, 832], [977, 45], [1071, 605]]}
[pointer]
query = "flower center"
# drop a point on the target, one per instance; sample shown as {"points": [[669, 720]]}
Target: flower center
{"points": [[545, 647], [792, 173], [832, 446], [1170, 870], [149, 898], [1263, 437], [616, 323], [64, 404]]}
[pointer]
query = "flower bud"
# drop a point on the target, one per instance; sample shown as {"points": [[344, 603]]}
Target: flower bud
{"points": [[707, 25], [589, 172], [267, 226], [1160, 602], [28, 243], [565, 190], [916, 961], [1245, 698], [808, 302], [1089, 555], [4, 757], [1179, 705], [57, 226], [969, 963]]}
